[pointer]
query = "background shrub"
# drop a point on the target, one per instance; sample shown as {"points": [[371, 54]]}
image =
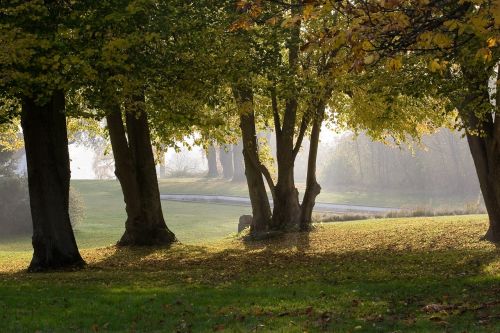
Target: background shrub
{"points": [[15, 214]]}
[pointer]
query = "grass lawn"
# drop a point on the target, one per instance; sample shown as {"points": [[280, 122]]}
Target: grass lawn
{"points": [[342, 196], [395, 275], [193, 223]]}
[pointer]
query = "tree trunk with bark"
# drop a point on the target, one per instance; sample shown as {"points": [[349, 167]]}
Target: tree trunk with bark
{"points": [[286, 212], [226, 161], [484, 147], [136, 171], [238, 163], [313, 189], [47, 157], [212, 162], [261, 210], [486, 155]]}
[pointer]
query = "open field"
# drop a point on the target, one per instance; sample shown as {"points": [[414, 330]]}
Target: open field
{"points": [[224, 187], [406, 275], [193, 223], [105, 216]]}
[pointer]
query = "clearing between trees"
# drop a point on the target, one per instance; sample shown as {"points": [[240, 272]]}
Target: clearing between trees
{"points": [[418, 275]]}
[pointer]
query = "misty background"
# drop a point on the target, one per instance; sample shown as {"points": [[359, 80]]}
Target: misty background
{"points": [[436, 173]]}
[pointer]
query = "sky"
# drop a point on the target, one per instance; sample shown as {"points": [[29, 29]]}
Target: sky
{"points": [[83, 157]]}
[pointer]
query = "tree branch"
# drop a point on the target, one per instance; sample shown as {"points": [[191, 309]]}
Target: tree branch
{"points": [[265, 172], [300, 137], [276, 115]]}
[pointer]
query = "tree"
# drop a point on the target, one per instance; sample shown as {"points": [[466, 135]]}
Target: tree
{"points": [[226, 160], [239, 167], [438, 166], [293, 95], [130, 59], [37, 66], [153, 84], [458, 41], [211, 154], [261, 210]]}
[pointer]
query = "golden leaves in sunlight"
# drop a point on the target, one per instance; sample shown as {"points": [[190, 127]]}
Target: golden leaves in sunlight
{"points": [[394, 64]]}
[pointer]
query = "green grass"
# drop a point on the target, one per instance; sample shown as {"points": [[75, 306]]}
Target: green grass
{"points": [[192, 223], [394, 275], [224, 187], [341, 196], [387, 275], [103, 225]]}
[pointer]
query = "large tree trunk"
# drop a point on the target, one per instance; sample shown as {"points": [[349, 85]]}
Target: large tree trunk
{"points": [[47, 157], [226, 161], [485, 149], [135, 169], [238, 163], [212, 162], [486, 156], [125, 168], [261, 209], [286, 213], [313, 189]]}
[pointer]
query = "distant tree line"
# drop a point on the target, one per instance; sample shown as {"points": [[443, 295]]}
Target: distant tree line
{"points": [[440, 165]]}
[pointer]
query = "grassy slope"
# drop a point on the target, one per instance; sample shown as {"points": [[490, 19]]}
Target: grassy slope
{"points": [[105, 217], [370, 276], [382, 199], [192, 223]]}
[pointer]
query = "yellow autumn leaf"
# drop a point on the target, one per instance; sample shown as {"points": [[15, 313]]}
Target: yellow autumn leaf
{"points": [[395, 64], [484, 54], [367, 45], [441, 40], [308, 10], [492, 42], [434, 65], [272, 21], [451, 25], [291, 21], [370, 58]]}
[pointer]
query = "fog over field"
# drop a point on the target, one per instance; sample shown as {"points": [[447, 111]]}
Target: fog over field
{"points": [[438, 173]]}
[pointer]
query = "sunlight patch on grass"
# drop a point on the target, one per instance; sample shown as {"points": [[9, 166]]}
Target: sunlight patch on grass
{"points": [[412, 274]]}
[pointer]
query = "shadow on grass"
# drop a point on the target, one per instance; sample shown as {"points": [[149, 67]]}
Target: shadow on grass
{"points": [[263, 287], [290, 285]]}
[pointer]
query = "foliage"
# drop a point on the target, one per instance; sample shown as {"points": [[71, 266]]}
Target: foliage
{"points": [[15, 207], [166, 51], [39, 42], [10, 138], [471, 208], [426, 274], [403, 61], [395, 106], [7, 163], [76, 208]]}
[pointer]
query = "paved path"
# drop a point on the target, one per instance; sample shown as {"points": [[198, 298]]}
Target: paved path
{"points": [[232, 200]]}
